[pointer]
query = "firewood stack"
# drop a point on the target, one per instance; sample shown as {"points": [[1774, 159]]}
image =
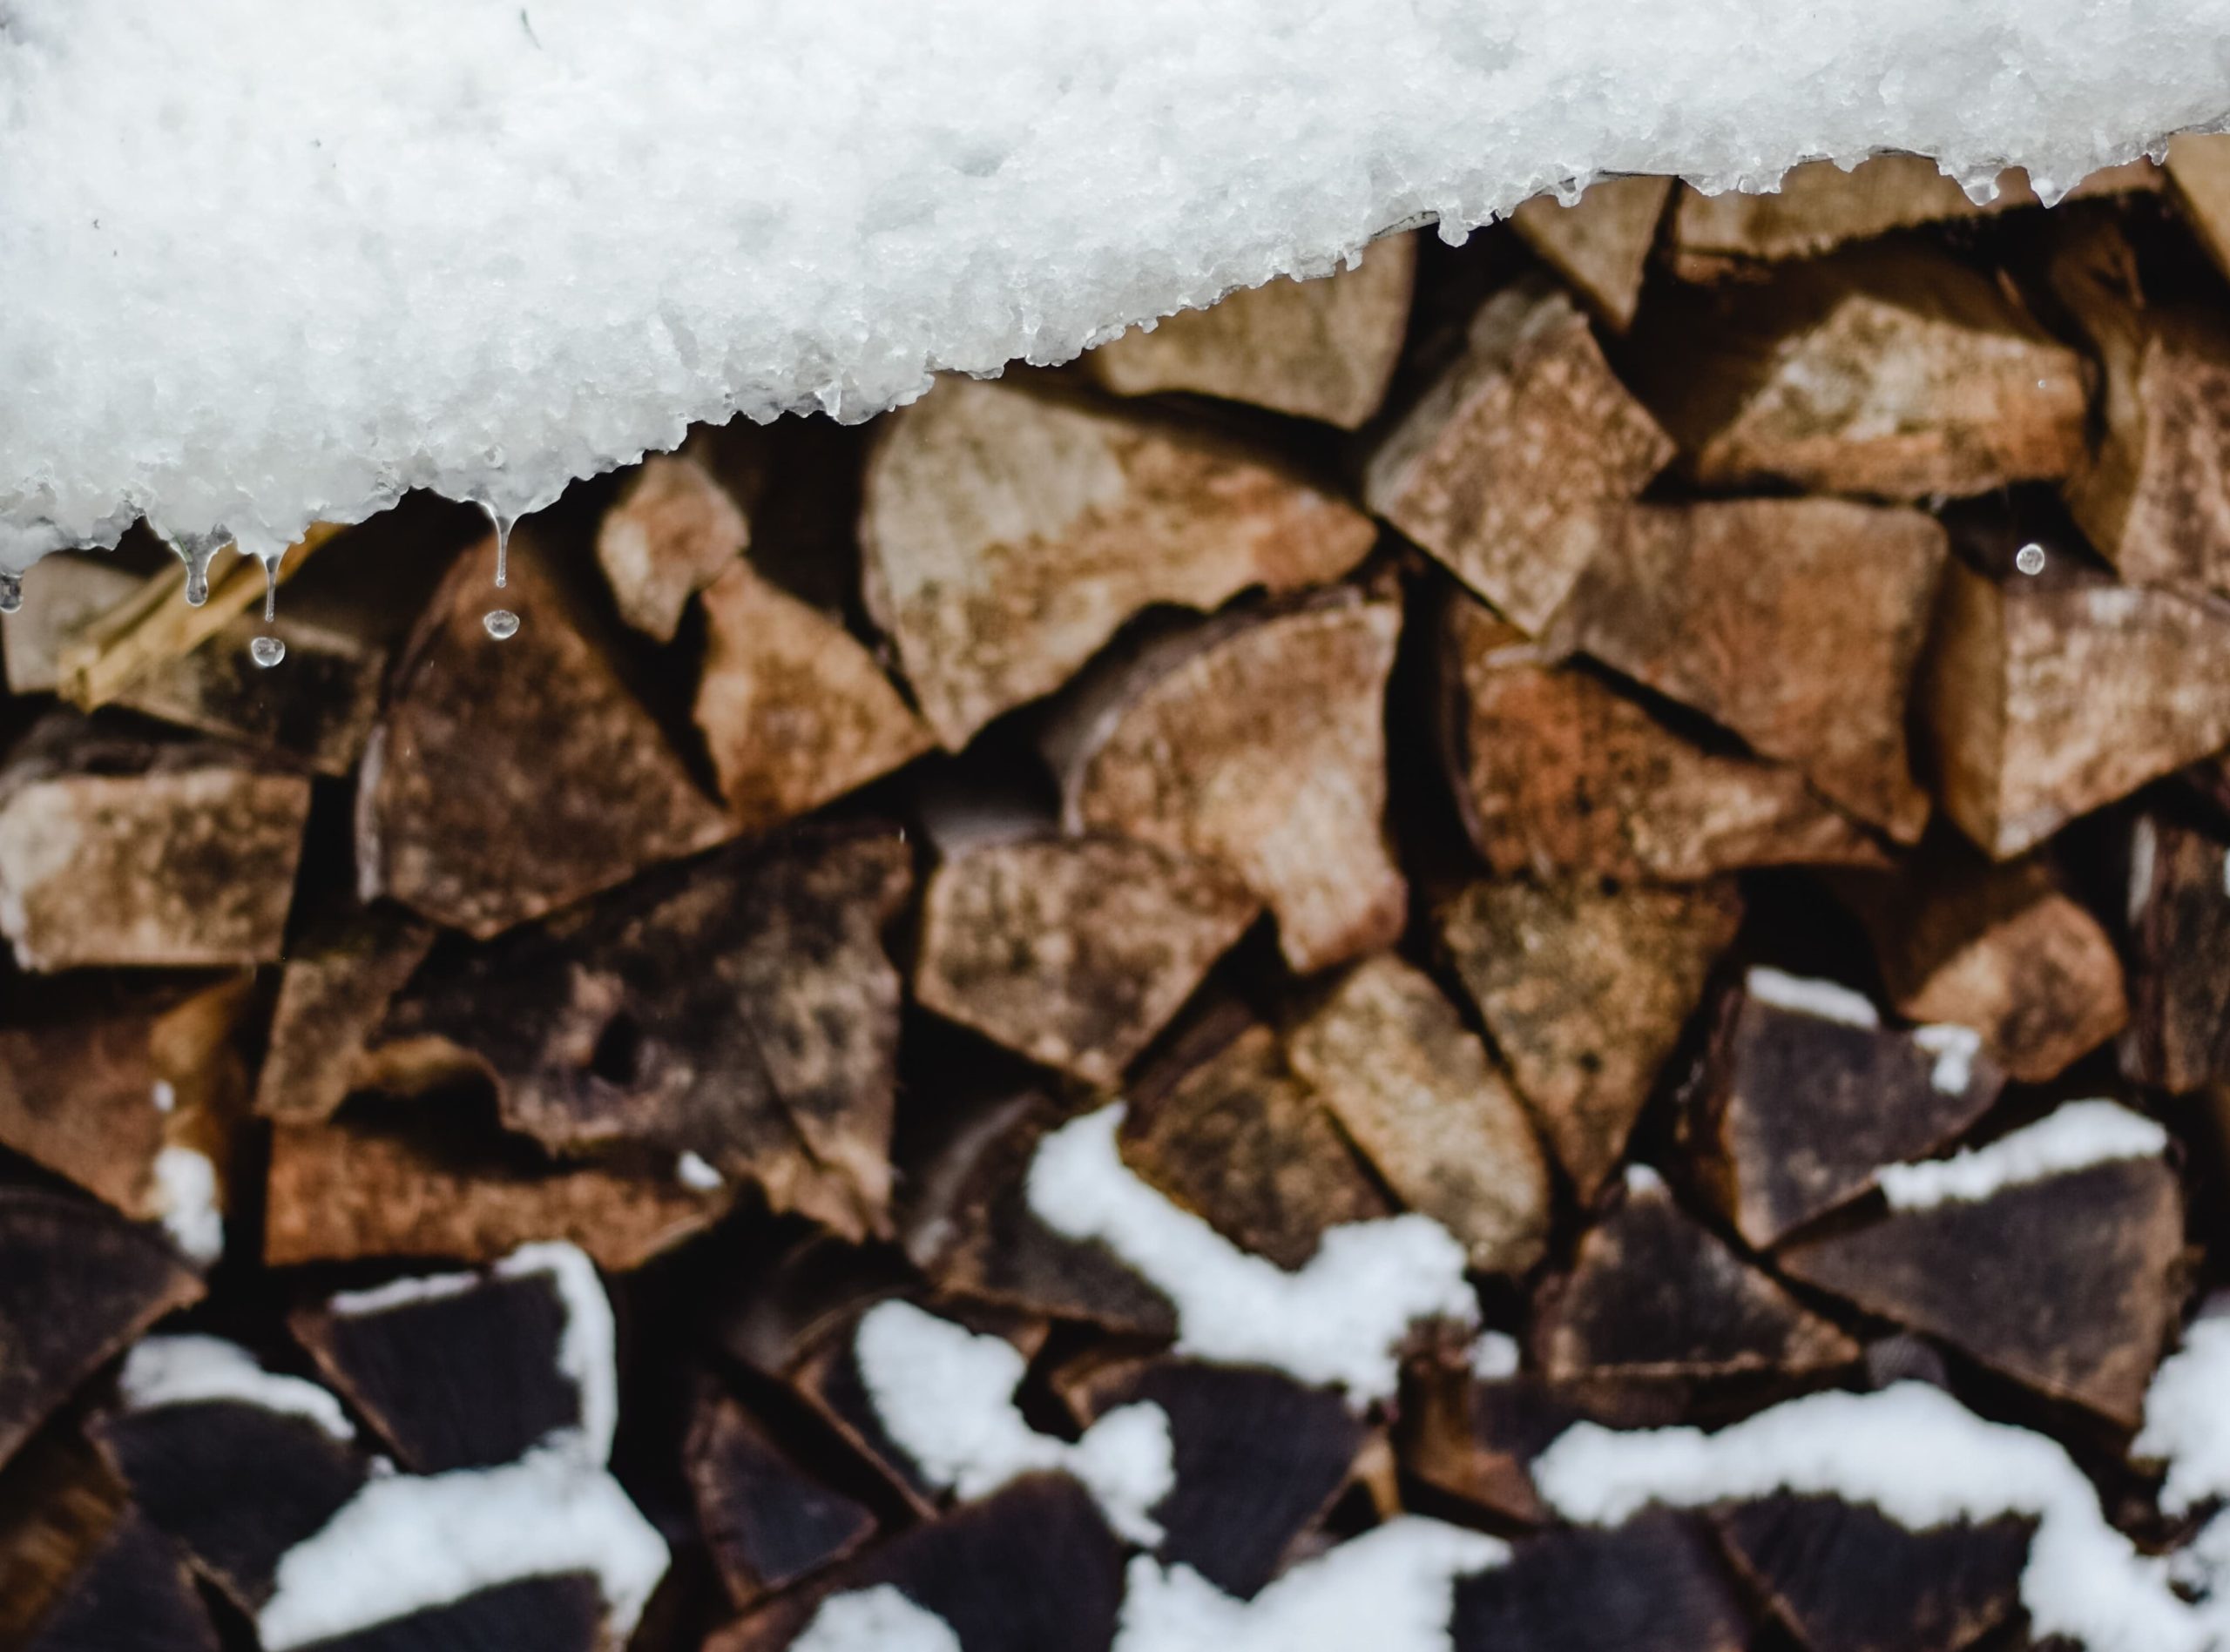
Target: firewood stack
{"points": [[1143, 981]]}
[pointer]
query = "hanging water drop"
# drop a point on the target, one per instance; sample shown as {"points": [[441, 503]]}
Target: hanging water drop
{"points": [[195, 551], [270, 598], [500, 623], [502, 525], [266, 651], [11, 592], [2030, 559]]}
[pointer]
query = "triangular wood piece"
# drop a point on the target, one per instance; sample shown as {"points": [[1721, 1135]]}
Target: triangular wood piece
{"points": [[1655, 1584], [1601, 243], [134, 1593], [767, 1521], [2180, 945], [338, 983], [672, 531], [2199, 182]]}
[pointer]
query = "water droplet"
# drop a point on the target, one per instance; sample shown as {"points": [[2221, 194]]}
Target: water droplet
{"points": [[266, 651], [501, 623], [271, 596], [2030, 559], [502, 525], [11, 592], [195, 551]]}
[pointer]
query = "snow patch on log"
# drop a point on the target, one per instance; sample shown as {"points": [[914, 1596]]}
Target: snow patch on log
{"points": [[1955, 1048], [2186, 1422], [185, 1197], [1805, 996], [2077, 1136], [197, 1370], [875, 1619]]}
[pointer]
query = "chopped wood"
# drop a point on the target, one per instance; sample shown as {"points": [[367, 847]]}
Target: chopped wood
{"points": [[1798, 1110], [1008, 534], [1558, 774], [2044, 701], [2199, 182], [2069, 1284], [1898, 375], [1584, 989], [769, 1522], [1688, 599], [333, 996], [740, 1008], [1655, 1584], [1074, 952], [58, 1505], [114, 850], [510, 778], [672, 531], [62, 593], [1260, 741], [1998, 947], [1321, 349], [1416, 1091], [794, 709], [1654, 1293], [78, 1283], [2179, 956], [1600, 244], [133, 1591], [1496, 469]]}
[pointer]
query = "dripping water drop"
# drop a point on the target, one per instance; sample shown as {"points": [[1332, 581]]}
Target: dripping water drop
{"points": [[502, 525], [11, 592], [2030, 559], [270, 595], [195, 551], [500, 623], [266, 651]]}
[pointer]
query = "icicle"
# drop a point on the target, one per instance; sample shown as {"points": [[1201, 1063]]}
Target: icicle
{"points": [[11, 592], [195, 551], [270, 591], [500, 623]]}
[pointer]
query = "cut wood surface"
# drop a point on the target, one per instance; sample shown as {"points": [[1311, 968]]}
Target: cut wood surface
{"points": [[672, 531], [1600, 244], [334, 992], [1655, 1584], [2199, 181], [2179, 956]]}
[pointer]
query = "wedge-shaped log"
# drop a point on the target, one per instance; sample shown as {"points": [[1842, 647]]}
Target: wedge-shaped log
{"points": [[132, 1591], [2199, 182], [1653, 1585], [59, 1505], [2180, 947], [2044, 701], [1323, 349], [672, 531], [1074, 952], [333, 997], [1495, 470], [769, 1522], [1601, 243], [1008, 534], [1258, 740]]}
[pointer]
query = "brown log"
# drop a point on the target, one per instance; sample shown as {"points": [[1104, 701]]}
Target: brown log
{"points": [[1655, 1584], [510, 778], [114, 851], [1584, 989], [2044, 700], [1652, 1293], [1418, 1094], [1496, 469], [672, 531], [1558, 774], [1321, 349], [769, 1522], [2179, 956], [1689, 600], [62, 593], [1008, 534], [1600, 245], [58, 1505], [2199, 183], [332, 998], [794, 711], [2069, 1284], [133, 1591], [1799, 1108], [1074, 952], [1259, 741]]}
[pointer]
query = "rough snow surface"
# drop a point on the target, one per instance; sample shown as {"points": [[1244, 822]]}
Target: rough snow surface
{"points": [[1336, 1322], [194, 1369], [2187, 1418], [185, 1200], [266, 262], [876, 1619], [2076, 1136], [1823, 999], [945, 1396]]}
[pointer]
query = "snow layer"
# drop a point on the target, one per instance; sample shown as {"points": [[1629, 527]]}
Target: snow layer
{"points": [[1336, 1322], [267, 262], [192, 1370], [876, 1619], [1825, 999], [1955, 1048], [945, 1396], [186, 1198], [2187, 1418], [2076, 1136]]}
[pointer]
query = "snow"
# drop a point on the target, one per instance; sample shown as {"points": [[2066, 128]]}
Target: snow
{"points": [[1336, 1322], [164, 1094], [875, 1619], [267, 263], [696, 1174], [944, 1395], [185, 1200], [1495, 1356], [2077, 1135], [2187, 1418], [1822, 999], [1955, 1048], [1913, 1453], [195, 1369]]}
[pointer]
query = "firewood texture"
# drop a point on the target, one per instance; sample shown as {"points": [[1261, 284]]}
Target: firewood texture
{"points": [[1600, 244], [2180, 945], [671, 533]]}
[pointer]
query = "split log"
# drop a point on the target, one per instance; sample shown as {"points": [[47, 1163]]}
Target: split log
{"points": [[794, 709], [77, 1284], [333, 996], [1416, 1093], [133, 1591], [2044, 701], [671, 532], [2000, 949], [1688, 600], [740, 1010], [768, 1523], [2180, 947], [510, 778], [1600, 244], [62, 595], [1008, 534], [1320, 349], [1902, 374], [58, 1505], [114, 851], [1807, 1094], [2199, 182], [1496, 469], [1558, 774], [1584, 989], [1074, 952], [1654, 1294], [1655, 1584]]}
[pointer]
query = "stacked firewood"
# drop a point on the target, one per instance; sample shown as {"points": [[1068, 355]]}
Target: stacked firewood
{"points": [[1589, 761]]}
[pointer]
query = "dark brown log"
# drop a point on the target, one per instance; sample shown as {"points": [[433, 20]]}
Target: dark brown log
{"points": [[1074, 952], [2044, 700], [1600, 245], [1322, 349], [1653, 1293], [1799, 1108], [1655, 1584], [134, 1592], [1495, 470], [795, 710], [1559, 774], [1418, 1094], [1259, 741], [510, 778], [58, 1505], [740, 1010], [2070, 1284], [1689, 599], [672, 531], [1584, 989], [1473, 1436], [1008, 534], [2180, 947], [332, 998], [561, 1612], [767, 1521]]}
